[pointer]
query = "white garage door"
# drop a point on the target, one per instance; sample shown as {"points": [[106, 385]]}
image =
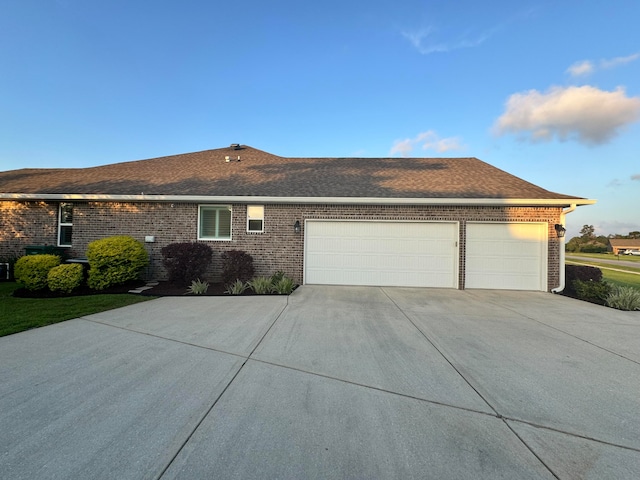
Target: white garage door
{"points": [[410, 254], [506, 256]]}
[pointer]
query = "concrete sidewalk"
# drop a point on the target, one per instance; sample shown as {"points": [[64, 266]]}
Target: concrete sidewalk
{"points": [[331, 382]]}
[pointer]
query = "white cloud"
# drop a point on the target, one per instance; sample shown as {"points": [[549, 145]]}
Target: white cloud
{"points": [[428, 140], [587, 114], [579, 69], [615, 62], [636, 177], [587, 67], [402, 147], [425, 45]]}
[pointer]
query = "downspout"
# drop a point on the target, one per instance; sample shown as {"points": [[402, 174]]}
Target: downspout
{"points": [[560, 287]]}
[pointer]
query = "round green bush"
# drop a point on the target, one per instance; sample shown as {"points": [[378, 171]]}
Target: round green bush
{"points": [[115, 260], [64, 278], [32, 270]]}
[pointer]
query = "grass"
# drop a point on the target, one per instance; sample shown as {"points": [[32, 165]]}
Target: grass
{"points": [[622, 279], [607, 256], [19, 314], [614, 276]]}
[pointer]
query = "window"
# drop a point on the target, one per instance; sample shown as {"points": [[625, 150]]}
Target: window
{"points": [[65, 224], [214, 222], [255, 218]]}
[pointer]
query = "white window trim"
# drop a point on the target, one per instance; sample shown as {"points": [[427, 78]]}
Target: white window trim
{"points": [[215, 239], [64, 224], [261, 218]]}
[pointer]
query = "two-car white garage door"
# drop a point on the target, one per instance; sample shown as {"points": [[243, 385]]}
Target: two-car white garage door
{"points": [[412, 254], [425, 254]]}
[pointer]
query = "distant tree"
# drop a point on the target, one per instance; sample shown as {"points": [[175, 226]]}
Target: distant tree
{"points": [[634, 234], [587, 232], [573, 245]]}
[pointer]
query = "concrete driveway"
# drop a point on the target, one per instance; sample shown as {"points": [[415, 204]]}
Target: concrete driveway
{"points": [[331, 382]]}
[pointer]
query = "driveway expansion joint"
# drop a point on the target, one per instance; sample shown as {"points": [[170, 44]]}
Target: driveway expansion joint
{"points": [[217, 399]]}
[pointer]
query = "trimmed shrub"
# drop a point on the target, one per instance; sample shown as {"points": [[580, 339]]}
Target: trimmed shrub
{"points": [[115, 260], [32, 270], [65, 278], [624, 298], [581, 273], [236, 265], [595, 292], [186, 261]]}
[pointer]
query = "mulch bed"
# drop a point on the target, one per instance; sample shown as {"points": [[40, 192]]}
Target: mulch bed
{"points": [[163, 289], [167, 289], [83, 290]]}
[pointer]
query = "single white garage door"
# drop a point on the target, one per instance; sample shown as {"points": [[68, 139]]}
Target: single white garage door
{"points": [[381, 253], [506, 256]]}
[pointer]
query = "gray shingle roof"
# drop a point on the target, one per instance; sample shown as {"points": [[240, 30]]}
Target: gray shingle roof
{"points": [[259, 173]]}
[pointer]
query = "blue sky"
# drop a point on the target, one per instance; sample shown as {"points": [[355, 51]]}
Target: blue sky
{"points": [[547, 90]]}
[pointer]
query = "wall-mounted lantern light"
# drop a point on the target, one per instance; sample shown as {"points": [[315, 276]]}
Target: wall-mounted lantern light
{"points": [[296, 227], [560, 230]]}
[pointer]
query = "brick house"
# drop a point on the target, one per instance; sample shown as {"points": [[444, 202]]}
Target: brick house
{"points": [[433, 222], [619, 245]]}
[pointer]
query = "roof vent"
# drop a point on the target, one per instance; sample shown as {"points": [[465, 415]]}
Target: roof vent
{"points": [[236, 146]]}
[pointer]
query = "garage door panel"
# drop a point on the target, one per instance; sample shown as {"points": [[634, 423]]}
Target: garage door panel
{"points": [[506, 256], [381, 253]]}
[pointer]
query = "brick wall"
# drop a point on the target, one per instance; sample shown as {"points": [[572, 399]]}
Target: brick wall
{"points": [[26, 223], [277, 248]]}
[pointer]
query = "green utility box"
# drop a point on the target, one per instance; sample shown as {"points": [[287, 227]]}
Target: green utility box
{"points": [[43, 250]]}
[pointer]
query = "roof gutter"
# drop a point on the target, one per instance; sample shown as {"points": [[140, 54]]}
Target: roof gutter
{"points": [[563, 280], [542, 202]]}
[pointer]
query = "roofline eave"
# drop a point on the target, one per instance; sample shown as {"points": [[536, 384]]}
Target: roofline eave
{"points": [[548, 202]]}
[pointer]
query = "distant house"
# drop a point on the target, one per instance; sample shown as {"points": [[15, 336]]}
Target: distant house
{"points": [[619, 245], [428, 222]]}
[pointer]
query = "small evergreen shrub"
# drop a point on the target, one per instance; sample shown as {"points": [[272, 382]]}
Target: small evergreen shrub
{"points": [[65, 278], [186, 261], [595, 292], [624, 298], [581, 273], [198, 287], [114, 261], [261, 285], [32, 270], [276, 277], [236, 265], [237, 288]]}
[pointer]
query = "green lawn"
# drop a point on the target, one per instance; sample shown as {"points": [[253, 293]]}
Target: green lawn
{"points": [[620, 278], [18, 314], [603, 265], [614, 276], [607, 256]]}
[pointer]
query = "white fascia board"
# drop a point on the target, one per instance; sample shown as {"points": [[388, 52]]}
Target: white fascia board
{"points": [[542, 202]]}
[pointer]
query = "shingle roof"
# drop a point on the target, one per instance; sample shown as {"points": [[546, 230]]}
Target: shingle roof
{"points": [[259, 173], [625, 242]]}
